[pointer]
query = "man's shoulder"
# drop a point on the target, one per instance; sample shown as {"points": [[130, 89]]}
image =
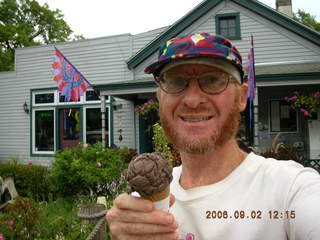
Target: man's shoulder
{"points": [[283, 169]]}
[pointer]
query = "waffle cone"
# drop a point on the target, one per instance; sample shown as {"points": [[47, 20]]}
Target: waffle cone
{"points": [[159, 196]]}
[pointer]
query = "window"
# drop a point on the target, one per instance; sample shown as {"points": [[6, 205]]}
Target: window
{"points": [[228, 25], [44, 130], [44, 98], [92, 95], [93, 126], [282, 117], [57, 124]]}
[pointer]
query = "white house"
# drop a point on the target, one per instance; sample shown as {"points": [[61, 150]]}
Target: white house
{"points": [[35, 121]]}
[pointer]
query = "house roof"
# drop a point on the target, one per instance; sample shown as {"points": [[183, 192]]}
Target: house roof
{"points": [[253, 5]]}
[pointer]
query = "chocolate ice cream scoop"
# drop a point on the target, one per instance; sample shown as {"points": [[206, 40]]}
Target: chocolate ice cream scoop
{"points": [[149, 174]]}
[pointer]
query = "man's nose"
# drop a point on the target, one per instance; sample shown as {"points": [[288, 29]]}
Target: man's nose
{"points": [[193, 96]]}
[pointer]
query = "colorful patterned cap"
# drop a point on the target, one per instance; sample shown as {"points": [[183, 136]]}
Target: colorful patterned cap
{"points": [[195, 46]]}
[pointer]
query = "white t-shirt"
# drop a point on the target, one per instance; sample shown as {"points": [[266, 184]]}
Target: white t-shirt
{"points": [[262, 199]]}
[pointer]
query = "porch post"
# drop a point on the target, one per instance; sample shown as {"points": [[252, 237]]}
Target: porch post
{"points": [[103, 119], [256, 119]]}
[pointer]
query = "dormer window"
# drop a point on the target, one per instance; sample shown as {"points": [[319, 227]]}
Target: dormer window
{"points": [[228, 25]]}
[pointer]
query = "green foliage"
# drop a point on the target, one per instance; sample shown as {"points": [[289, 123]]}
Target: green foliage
{"points": [[162, 145], [280, 151], [59, 219], [19, 219], [147, 108], [26, 219], [307, 104], [89, 169], [29, 180], [307, 19], [26, 23]]}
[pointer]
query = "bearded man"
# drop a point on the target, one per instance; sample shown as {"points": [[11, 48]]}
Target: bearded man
{"points": [[220, 192]]}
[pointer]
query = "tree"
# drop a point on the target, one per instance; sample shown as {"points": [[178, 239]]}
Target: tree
{"points": [[307, 19], [25, 23]]}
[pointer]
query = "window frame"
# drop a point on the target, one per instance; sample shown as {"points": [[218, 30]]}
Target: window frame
{"points": [[33, 134], [55, 106], [34, 93], [236, 16], [271, 131], [84, 130]]}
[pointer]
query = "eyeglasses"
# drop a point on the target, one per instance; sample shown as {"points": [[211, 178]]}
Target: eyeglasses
{"points": [[209, 82]]}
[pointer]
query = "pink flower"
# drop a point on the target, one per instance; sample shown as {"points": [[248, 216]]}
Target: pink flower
{"points": [[136, 109], [151, 101], [85, 145], [293, 98], [9, 223], [145, 104], [29, 164], [286, 99], [1, 237], [317, 94], [306, 113]]}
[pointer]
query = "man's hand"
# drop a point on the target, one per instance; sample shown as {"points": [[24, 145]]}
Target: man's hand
{"points": [[133, 218]]}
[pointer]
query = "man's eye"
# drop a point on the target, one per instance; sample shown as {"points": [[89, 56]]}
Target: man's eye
{"points": [[210, 80], [177, 81]]}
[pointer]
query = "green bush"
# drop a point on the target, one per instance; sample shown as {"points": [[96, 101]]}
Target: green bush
{"points": [[27, 219], [30, 180], [19, 219], [162, 146], [89, 170]]}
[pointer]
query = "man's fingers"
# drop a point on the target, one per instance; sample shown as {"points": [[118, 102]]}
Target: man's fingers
{"points": [[126, 201], [141, 229], [155, 217]]}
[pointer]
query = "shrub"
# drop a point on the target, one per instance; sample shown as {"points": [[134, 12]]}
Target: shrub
{"points": [[280, 151], [19, 219], [162, 145], [26, 219], [89, 169], [30, 180], [58, 220]]}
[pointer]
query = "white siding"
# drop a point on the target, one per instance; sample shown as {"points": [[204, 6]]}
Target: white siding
{"points": [[142, 39], [100, 60], [123, 118], [14, 122]]}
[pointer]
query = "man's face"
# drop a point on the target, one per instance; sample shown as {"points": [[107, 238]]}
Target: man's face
{"points": [[196, 122]]}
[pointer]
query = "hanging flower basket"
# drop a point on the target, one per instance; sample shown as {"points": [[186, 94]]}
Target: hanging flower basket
{"points": [[308, 105], [147, 108]]}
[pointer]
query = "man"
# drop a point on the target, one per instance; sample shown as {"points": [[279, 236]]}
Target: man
{"points": [[219, 192]]}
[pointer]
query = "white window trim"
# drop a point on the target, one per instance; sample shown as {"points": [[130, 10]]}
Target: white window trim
{"points": [[269, 114], [34, 104], [84, 130], [34, 151]]}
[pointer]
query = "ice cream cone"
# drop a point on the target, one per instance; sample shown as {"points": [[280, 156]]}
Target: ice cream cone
{"points": [[160, 195], [161, 200]]}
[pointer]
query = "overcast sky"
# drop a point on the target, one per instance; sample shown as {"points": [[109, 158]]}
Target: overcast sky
{"points": [[99, 18]]}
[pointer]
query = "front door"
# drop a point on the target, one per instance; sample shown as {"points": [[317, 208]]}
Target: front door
{"points": [[69, 127]]}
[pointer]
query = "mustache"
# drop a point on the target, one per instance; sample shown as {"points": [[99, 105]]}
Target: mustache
{"points": [[201, 109]]}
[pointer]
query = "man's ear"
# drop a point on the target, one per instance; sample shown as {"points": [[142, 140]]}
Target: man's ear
{"points": [[243, 97], [158, 94]]}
